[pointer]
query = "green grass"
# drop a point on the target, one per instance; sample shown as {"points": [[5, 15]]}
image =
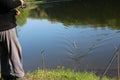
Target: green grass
{"points": [[62, 75]]}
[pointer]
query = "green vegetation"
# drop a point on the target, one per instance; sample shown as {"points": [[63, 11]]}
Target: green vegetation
{"points": [[85, 12], [62, 75]]}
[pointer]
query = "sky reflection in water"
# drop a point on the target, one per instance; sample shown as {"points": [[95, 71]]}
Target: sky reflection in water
{"points": [[57, 42]]}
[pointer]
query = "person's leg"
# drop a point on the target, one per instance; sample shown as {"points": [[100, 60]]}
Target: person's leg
{"points": [[15, 54], [5, 65], [4, 58], [11, 42]]}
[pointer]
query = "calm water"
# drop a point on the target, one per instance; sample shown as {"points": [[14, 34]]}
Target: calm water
{"points": [[80, 36]]}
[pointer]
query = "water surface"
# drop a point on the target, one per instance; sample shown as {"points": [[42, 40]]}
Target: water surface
{"points": [[79, 36]]}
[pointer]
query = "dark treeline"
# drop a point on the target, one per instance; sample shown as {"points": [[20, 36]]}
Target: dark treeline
{"points": [[100, 13]]}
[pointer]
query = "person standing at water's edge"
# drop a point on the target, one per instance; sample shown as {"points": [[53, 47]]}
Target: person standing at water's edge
{"points": [[10, 49]]}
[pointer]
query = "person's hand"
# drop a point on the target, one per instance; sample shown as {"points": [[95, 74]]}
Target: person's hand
{"points": [[17, 12], [22, 2]]}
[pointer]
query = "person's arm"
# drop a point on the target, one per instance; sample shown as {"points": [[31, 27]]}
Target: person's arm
{"points": [[11, 4]]}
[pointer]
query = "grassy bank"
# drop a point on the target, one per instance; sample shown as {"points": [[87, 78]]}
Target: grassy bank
{"points": [[62, 75]]}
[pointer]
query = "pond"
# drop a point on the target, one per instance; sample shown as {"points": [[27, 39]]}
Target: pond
{"points": [[79, 35]]}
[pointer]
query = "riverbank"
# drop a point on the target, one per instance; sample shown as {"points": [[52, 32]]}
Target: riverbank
{"points": [[62, 75]]}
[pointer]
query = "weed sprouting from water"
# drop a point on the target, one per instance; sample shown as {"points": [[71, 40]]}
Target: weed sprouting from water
{"points": [[76, 54], [43, 58]]}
